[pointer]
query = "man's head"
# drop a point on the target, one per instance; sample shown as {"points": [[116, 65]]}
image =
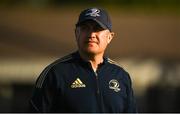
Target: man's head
{"points": [[93, 31]]}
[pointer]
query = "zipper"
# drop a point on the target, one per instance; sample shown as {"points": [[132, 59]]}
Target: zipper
{"points": [[98, 91]]}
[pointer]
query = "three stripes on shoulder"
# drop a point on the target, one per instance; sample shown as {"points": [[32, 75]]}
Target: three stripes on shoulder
{"points": [[43, 75]]}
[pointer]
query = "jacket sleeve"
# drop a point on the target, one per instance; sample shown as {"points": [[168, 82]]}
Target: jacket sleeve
{"points": [[131, 102], [44, 91]]}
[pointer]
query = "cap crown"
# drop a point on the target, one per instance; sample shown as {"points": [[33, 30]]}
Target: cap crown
{"points": [[98, 15]]}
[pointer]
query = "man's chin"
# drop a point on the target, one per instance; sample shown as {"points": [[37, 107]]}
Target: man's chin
{"points": [[91, 52]]}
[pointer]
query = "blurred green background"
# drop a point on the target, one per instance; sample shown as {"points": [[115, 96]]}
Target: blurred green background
{"points": [[34, 33]]}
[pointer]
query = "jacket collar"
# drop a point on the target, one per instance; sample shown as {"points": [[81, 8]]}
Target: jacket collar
{"points": [[77, 56]]}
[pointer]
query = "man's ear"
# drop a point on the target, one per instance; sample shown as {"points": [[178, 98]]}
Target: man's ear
{"points": [[77, 32], [110, 37]]}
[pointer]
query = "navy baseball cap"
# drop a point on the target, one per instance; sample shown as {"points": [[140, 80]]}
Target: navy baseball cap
{"points": [[98, 15]]}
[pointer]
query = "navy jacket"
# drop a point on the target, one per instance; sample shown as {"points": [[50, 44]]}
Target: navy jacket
{"points": [[70, 85]]}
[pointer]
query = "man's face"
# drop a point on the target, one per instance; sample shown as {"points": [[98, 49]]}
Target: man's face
{"points": [[92, 38]]}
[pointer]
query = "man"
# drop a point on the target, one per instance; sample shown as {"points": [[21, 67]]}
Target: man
{"points": [[86, 80]]}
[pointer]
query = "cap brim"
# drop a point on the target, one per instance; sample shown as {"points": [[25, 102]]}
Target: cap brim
{"points": [[93, 19], [101, 24]]}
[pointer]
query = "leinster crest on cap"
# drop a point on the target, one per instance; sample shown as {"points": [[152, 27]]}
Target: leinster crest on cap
{"points": [[114, 84], [93, 12]]}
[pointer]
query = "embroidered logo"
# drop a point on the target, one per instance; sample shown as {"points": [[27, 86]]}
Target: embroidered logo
{"points": [[93, 12], [77, 84], [114, 84]]}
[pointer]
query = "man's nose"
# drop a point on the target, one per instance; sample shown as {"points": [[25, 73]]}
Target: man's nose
{"points": [[91, 34]]}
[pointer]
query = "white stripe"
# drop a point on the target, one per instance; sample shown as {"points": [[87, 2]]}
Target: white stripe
{"points": [[43, 75], [34, 105], [112, 62], [79, 81]]}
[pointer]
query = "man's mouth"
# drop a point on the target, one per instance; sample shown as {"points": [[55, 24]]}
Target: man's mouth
{"points": [[89, 42], [92, 42]]}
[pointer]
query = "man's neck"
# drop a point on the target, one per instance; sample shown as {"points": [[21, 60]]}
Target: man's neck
{"points": [[94, 59]]}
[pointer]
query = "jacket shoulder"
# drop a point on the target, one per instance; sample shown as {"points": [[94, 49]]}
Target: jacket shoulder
{"points": [[118, 67], [44, 73], [115, 64]]}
